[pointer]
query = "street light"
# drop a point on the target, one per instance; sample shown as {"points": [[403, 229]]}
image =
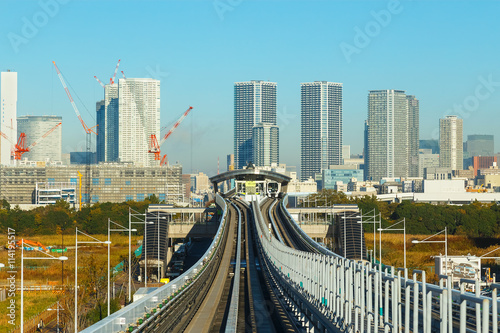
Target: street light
{"points": [[50, 257], [57, 309], [96, 241], [445, 245], [109, 240], [404, 235]]}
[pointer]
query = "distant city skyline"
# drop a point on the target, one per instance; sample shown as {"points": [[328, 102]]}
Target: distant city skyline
{"points": [[204, 51]]}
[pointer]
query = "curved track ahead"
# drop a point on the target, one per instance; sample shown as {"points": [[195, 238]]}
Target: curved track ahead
{"points": [[281, 227], [207, 307]]}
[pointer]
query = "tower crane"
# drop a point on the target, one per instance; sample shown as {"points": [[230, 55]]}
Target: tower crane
{"points": [[112, 79], [20, 146], [154, 146], [88, 131]]}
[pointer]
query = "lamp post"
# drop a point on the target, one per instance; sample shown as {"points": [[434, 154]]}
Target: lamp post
{"points": [[404, 235], [445, 245], [50, 257], [122, 228], [95, 241], [57, 309]]}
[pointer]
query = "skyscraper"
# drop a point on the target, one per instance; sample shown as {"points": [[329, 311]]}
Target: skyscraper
{"points": [[265, 139], [138, 118], [392, 146], [254, 103], [451, 143], [321, 126], [108, 129], [8, 120], [49, 148]]}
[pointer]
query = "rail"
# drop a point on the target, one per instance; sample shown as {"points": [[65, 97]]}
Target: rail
{"points": [[137, 314], [232, 317]]}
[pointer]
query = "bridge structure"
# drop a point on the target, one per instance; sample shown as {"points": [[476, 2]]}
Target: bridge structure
{"points": [[263, 272]]}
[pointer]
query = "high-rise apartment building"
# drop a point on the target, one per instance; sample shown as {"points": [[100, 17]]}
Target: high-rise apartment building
{"points": [[48, 148], [451, 143], [127, 117], [8, 113], [392, 146], [265, 139], [108, 124], [254, 103], [138, 119], [321, 127]]}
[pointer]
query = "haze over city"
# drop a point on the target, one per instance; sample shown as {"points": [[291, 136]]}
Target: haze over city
{"points": [[443, 52]]}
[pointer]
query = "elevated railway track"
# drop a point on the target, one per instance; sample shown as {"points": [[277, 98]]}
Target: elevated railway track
{"points": [[262, 273]]}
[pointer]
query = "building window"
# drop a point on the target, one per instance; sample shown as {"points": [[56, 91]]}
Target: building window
{"points": [[85, 197], [129, 197], [161, 196], [73, 181], [140, 196], [51, 180], [107, 181], [95, 181], [95, 198], [128, 182]]}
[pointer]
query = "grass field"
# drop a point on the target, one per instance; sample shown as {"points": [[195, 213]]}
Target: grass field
{"points": [[420, 256], [44, 272]]}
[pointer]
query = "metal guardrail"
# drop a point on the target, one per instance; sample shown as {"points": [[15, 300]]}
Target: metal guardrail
{"points": [[147, 307], [356, 295]]}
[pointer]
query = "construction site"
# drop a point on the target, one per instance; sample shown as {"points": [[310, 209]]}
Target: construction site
{"points": [[128, 140]]}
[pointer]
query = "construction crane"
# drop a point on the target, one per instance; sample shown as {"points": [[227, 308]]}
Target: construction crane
{"points": [[112, 79], [154, 146], [8, 139], [88, 131], [164, 160], [20, 146]]}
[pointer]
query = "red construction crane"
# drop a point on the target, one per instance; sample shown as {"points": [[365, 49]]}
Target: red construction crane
{"points": [[20, 146], [163, 160], [87, 129], [102, 84], [153, 142], [114, 74], [88, 132], [111, 80], [123, 75]]}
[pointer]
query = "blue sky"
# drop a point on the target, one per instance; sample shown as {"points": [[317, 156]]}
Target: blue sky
{"points": [[444, 52]]}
